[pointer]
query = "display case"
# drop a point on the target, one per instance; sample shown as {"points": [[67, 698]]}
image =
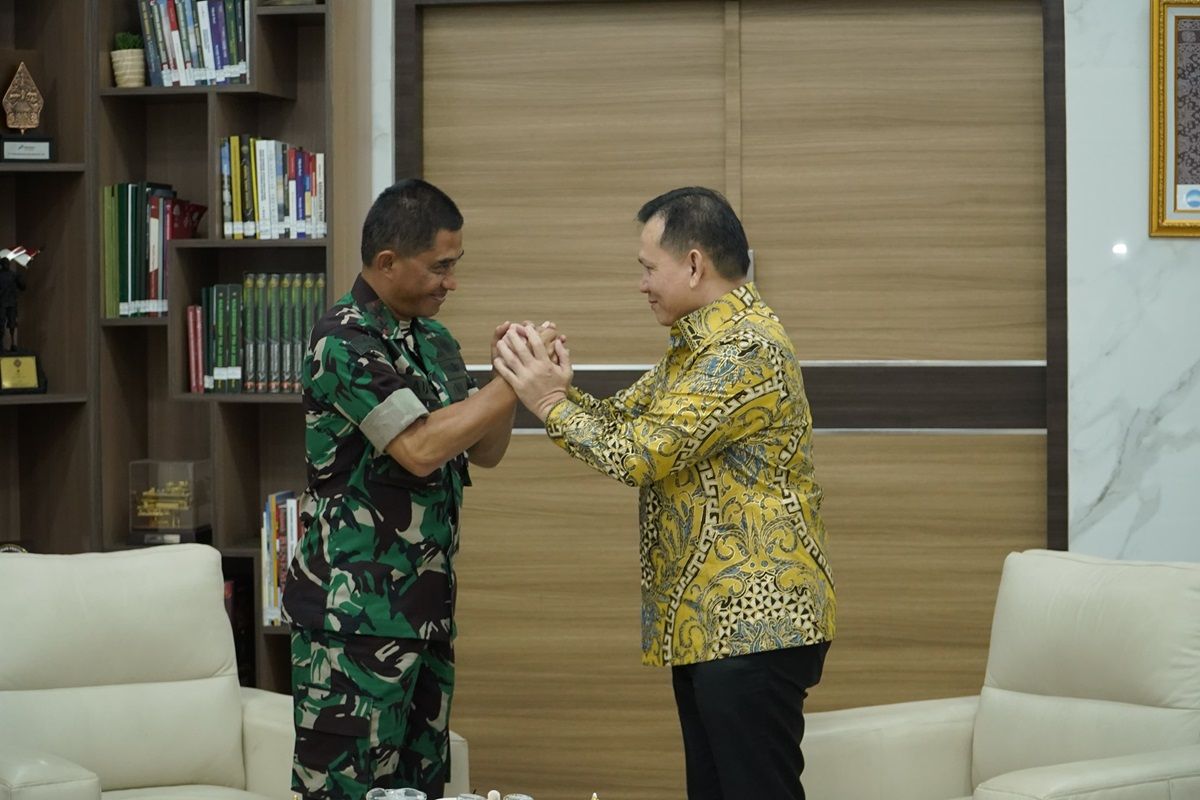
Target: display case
{"points": [[170, 501]]}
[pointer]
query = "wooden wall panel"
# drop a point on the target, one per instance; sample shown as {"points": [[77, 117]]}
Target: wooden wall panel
{"points": [[550, 126], [551, 693], [893, 175], [918, 528]]}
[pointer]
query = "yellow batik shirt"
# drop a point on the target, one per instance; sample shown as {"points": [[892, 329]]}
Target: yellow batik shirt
{"points": [[718, 437]]}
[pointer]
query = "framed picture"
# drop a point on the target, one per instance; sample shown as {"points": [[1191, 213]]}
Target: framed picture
{"points": [[1175, 118]]}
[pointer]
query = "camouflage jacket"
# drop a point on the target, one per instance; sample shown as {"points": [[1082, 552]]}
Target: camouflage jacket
{"points": [[375, 558]]}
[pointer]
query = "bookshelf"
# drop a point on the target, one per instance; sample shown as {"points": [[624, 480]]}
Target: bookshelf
{"points": [[47, 492], [172, 135]]}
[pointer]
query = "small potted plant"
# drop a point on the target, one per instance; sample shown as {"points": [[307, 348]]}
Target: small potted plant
{"points": [[128, 60]]}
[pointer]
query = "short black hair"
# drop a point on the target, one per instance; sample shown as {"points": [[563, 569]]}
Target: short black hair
{"points": [[696, 217], [406, 218]]}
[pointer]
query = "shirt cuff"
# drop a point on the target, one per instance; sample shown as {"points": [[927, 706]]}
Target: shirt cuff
{"points": [[557, 418], [399, 409]]}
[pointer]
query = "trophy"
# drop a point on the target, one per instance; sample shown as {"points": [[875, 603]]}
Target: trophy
{"points": [[23, 111], [20, 372]]}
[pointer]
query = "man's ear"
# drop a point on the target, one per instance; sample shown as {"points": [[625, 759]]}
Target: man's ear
{"points": [[384, 260], [695, 263]]}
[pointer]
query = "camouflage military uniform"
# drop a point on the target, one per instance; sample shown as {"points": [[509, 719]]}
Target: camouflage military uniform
{"points": [[370, 593]]}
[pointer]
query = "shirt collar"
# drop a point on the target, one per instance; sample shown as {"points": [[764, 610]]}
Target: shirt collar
{"points": [[693, 329], [392, 325]]}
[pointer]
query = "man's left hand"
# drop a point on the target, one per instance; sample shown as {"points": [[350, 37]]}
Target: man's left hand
{"points": [[531, 369]]}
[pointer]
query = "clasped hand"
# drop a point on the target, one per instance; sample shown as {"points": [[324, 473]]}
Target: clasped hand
{"points": [[536, 364]]}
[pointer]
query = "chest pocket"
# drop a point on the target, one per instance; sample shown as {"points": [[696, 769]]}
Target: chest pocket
{"points": [[458, 382]]}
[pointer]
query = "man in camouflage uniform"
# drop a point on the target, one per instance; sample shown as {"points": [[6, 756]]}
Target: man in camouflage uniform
{"points": [[392, 419]]}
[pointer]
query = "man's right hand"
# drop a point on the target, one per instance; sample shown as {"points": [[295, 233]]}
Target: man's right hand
{"points": [[538, 374]]}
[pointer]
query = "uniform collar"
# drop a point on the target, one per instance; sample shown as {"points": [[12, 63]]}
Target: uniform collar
{"points": [[693, 329], [393, 326]]}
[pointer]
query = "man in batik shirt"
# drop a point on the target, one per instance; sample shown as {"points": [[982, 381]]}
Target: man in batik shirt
{"points": [[737, 595], [392, 419]]}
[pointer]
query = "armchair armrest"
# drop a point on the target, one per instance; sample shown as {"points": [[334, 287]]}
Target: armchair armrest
{"points": [[1144, 776], [268, 737], [902, 751], [38, 775]]}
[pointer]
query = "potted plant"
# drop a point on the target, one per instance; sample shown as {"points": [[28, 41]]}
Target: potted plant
{"points": [[128, 60]]}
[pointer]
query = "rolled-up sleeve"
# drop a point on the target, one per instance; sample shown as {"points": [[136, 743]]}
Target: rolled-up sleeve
{"points": [[356, 378]]}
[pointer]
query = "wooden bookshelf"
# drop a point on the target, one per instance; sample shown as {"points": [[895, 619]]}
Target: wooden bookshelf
{"points": [[47, 496], [140, 389]]}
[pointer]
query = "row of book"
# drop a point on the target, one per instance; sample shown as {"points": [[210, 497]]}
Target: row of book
{"points": [[271, 190], [251, 337], [280, 534], [138, 219], [195, 42]]}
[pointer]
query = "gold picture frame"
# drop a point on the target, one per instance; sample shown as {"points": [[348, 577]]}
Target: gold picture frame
{"points": [[1175, 118]]}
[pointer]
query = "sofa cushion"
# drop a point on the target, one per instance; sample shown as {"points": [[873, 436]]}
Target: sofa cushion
{"points": [[1088, 659], [124, 664]]}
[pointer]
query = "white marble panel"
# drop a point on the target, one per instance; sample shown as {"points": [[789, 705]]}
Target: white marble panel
{"points": [[1134, 318]]}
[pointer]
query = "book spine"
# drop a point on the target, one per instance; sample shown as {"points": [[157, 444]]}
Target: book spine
{"points": [[249, 342], [322, 228], [192, 41], [180, 27], [260, 331], [141, 258], [263, 181], [309, 320], [293, 210], [171, 73], [285, 332], [301, 221], [241, 12], [235, 337], [207, 339], [274, 351], [182, 68], [149, 44], [296, 337], [235, 180], [221, 332], [231, 39], [203, 65], [154, 247], [226, 192], [281, 205], [216, 10], [206, 40], [192, 344], [249, 228]]}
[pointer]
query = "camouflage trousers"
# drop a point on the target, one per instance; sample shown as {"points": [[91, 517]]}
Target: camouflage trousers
{"points": [[369, 712]]}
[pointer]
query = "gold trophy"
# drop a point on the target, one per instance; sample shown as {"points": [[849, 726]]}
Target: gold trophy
{"points": [[23, 112]]}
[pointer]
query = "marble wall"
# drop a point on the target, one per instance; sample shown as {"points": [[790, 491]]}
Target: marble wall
{"points": [[1133, 307]]}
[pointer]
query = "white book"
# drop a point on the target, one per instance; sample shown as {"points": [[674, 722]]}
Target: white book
{"points": [[262, 190], [206, 41], [322, 228], [270, 150], [293, 210], [293, 527]]}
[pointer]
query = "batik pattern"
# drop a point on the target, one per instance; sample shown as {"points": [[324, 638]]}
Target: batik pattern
{"points": [[717, 436]]}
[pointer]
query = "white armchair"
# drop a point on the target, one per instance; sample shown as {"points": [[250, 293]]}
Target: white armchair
{"points": [[118, 680], [1092, 692]]}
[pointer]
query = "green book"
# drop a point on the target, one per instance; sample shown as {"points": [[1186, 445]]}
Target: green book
{"points": [[274, 352], [260, 331], [235, 337], [221, 331], [249, 378], [286, 331]]}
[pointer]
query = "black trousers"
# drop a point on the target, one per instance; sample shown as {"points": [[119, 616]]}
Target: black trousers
{"points": [[743, 719]]}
